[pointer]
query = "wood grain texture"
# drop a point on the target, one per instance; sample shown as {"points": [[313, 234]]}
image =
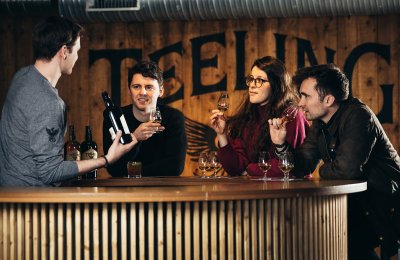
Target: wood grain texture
{"points": [[241, 215], [338, 36], [179, 189]]}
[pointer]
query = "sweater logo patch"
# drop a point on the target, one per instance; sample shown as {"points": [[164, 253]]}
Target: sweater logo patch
{"points": [[52, 134]]}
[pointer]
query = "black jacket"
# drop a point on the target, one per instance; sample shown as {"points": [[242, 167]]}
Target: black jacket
{"points": [[353, 145]]}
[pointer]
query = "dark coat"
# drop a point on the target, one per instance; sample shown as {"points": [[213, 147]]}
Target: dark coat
{"points": [[353, 145]]}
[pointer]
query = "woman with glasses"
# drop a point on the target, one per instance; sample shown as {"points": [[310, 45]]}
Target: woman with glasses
{"points": [[244, 135]]}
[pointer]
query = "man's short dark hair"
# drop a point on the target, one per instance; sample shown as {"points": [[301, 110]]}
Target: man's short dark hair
{"points": [[148, 69], [51, 34], [330, 80]]}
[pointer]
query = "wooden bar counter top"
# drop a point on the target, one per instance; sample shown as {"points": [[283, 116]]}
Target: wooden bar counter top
{"points": [[160, 189], [177, 218]]}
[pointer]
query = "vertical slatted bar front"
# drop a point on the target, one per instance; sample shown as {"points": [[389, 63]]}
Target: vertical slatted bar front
{"points": [[205, 242], [52, 232], [224, 229], [178, 231], [96, 232], [28, 231], [188, 233], [222, 239], [133, 230], [68, 237], [60, 232], [104, 230], [124, 234], [78, 231], [151, 220], [160, 231], [86, 231], [36, 235], [114, 233]]}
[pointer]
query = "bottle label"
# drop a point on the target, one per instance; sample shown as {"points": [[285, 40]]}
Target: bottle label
{"points": [[112, 133], [124, 124], [74, 155], [89, 154]]}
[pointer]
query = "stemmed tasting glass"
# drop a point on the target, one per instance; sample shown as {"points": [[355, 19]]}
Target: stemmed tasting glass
{"points": [[214, 163], [223, 102], [286, 164], [155, 116], [203, 164], [264, 164], [290, 113]]}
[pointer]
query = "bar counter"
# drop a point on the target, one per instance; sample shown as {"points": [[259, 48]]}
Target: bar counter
{"points": [[177, 218]]}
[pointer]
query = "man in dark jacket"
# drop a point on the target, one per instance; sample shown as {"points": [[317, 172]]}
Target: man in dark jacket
{"points": [[348, 137]]}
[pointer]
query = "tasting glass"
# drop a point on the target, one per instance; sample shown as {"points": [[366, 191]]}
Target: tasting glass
{"points": [[155, 116], [264, 164], [203, 164], [214, 162], [286, 164], [290, 113], [223, 102]]}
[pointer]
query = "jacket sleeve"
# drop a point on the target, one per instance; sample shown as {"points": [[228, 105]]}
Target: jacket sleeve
{"points": [[172, 161], [357, 139]]}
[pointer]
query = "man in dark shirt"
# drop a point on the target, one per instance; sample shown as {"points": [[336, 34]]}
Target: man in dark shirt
{"points": [[348, 137], [162, 147]]}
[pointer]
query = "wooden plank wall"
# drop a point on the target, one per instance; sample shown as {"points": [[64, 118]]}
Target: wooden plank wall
{"points": [[376, 70]]}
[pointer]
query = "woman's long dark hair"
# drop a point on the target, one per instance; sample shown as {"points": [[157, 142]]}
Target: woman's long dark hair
{"points": [[282, 94]]}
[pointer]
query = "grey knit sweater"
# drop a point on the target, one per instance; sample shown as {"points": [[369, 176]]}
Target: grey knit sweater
{"points": [[32, 129]]}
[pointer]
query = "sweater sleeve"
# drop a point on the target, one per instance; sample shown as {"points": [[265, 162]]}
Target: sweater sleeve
{"points": [[235, 161], [297, 130], [171, 161], [233, 157], [296, 134], [46, 137]]}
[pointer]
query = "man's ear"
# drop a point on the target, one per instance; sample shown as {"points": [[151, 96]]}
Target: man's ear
{"points": [[62, 52], [329, 100], [161, 90]]}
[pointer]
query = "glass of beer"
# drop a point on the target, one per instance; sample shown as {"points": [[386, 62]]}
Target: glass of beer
{"points": [[134, 169]]}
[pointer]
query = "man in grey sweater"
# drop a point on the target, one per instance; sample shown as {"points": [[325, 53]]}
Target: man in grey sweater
{"points": [[33, 120]]}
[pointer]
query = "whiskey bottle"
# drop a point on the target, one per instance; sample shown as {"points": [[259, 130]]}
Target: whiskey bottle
{"points": [[89, 151], [72, 147]]}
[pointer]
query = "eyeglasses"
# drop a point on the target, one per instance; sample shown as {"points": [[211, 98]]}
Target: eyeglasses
{"points": [[258, 82]]}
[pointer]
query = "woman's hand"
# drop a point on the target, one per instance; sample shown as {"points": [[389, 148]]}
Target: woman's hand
{"points": [[277, 130], [218, 121]]}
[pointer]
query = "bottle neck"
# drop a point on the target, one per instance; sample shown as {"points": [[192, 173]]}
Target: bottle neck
{"points": [[108, 104], [88, 135], [72, 134]]}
